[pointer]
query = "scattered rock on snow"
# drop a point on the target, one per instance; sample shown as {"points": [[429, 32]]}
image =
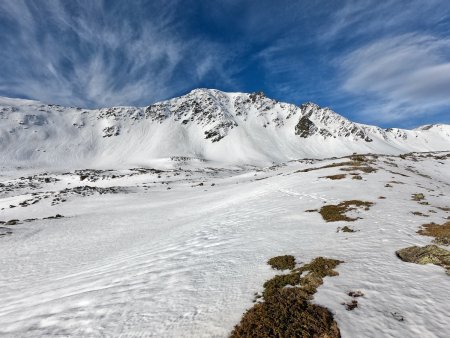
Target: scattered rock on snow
{"points": [[426, 255], [5, 231]]}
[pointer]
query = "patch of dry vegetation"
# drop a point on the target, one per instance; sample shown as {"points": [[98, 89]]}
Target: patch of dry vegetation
{"points": [[353, 303], [364, 168], [286, 310], [443, 157], [356, 161], [358, 158], [335, 213], [417, 197], [415, 171], [396, 182], [311, 210], [286, 262], [335, 177], [440, 232], [418, 213], [332, 165], [345, 229], [397, 173], [350, 306], [355, 294]]}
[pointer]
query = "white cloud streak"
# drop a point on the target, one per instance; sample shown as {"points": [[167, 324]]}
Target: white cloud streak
{"points": [[403, 77], [362, 18], [108, 59]]}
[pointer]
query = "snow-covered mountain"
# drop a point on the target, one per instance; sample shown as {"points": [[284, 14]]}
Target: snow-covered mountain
{"points": [[206, 124]]}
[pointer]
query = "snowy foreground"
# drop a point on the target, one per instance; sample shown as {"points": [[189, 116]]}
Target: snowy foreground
{"points": [[180, 252]]}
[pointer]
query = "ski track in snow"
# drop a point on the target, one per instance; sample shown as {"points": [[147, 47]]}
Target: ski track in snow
{"points": [[186, 262]]}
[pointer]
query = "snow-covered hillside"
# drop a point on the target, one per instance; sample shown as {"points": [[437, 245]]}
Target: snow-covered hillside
{"points": [[206, 124], [181, 252]]}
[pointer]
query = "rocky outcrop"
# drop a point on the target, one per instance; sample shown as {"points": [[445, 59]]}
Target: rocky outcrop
{"points": [[430, 254]]}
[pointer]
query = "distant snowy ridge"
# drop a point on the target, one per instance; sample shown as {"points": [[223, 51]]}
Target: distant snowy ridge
{"points": [[235, 128]]}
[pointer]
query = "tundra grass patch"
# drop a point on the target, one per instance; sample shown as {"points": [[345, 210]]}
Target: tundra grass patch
{"points": [[286, 262], [336, 213], [356, 163], [440, 232], [418, 197], [345, 229], [335, 177], [286, 310], [418, 213]]}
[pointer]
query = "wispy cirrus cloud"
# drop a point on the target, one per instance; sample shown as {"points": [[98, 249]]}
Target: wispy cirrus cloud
{"points": [[377, 62], [390, 60], [92, 53], [367, 19], [402, 77]]}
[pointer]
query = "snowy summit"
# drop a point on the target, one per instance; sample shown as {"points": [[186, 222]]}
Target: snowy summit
{"points": [[207, 124]]}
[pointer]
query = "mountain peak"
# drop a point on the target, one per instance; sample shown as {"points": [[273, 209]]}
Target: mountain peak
{"points": [[204, 123]]}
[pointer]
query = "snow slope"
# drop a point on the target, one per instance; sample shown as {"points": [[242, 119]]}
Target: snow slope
{"points": [[207, 124], [181, 252]]}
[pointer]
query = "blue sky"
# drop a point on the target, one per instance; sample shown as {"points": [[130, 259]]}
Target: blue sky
{"points": [[378, 62]]}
